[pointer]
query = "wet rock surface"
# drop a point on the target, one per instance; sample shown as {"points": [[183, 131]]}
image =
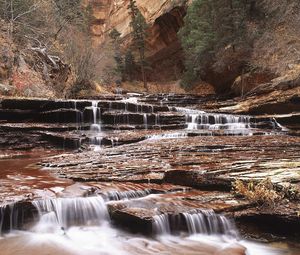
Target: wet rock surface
{"points": [[201, 159], [198, 162], [149, 158]]}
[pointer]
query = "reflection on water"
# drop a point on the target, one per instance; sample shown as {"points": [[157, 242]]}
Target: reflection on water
{"points": [[18, 175]]}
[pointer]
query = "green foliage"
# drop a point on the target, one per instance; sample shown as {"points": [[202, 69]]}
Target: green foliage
{"points": [[129, 66], [115, 35], [139, 33], [116, 39], [209, 26]]}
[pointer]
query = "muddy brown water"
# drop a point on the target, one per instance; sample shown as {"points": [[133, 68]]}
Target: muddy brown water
{"points": [[19, 175]]}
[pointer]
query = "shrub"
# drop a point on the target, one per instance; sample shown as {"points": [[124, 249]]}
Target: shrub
{"points": [[262, 193]]}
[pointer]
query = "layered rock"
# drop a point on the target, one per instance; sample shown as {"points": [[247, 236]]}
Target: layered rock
{"points": [[151, 172]]}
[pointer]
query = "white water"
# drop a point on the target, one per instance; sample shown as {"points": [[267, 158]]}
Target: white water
{"points": [[71, 226], [66, 212], [208, 222], [145, 117], [126, 195], [276, 124], [230, 124], [96, 134], [132, 99], [161, 224], [79, 116], [197, 222], [217, 122], [175, 135], [105, 240]]}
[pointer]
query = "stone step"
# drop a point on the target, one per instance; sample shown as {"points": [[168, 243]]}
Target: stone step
{"points": [[142, 119], [42, 105]]}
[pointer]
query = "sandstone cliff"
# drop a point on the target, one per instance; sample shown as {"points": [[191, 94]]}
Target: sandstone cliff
{"points": [[165, 17], [272, 52]]}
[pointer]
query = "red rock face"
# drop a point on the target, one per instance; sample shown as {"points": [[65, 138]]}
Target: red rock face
{"points": [[165, 51], [165, 18]]}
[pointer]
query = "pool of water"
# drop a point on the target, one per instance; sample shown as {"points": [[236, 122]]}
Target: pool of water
{"points": [[19, 176]]}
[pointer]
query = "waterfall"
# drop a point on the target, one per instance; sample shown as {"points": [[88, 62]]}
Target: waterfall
{"points": [[217, 122], [15, 215], [145, 117], [3, 208], [96, 126], [161, 224], [192, 122], [67, 212], [196, 222], [231, 124], [126, 195], [208, 222], [79, 116], [157, 119], [277, 125]]}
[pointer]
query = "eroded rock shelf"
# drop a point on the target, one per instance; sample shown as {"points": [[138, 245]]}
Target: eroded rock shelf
{"points": [[153, 160]]}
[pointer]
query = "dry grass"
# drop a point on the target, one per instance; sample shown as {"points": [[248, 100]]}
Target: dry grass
{"points": [[262, 193]]}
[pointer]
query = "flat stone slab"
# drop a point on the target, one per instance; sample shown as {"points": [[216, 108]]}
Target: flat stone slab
{"points": [[140, 214], [194, 161]]}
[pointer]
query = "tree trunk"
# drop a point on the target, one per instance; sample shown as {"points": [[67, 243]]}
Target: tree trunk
{"points": [[144, 78], [142, 57]]}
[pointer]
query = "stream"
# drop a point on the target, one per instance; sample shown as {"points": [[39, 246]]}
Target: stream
{"points": [[124, 186]]}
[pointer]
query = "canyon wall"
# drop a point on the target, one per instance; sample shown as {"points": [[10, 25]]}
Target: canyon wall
{"points": [[271, 54], [165, 17]]}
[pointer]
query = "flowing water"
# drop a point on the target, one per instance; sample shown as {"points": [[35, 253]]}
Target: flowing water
{"points": [[82, 226], [197, 120], [19, 176]]}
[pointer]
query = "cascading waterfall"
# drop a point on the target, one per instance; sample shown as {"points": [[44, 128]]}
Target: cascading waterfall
{"points": [[2, 217], [126, 195], [231, 124], [208, 222], [66, 212], [217, 122], [81, 226], [157, 119], [192, 121], [79, 116], [197, 222], [15, 215], [96, 138], [96, 127], [161, 224], [145, 117]]}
